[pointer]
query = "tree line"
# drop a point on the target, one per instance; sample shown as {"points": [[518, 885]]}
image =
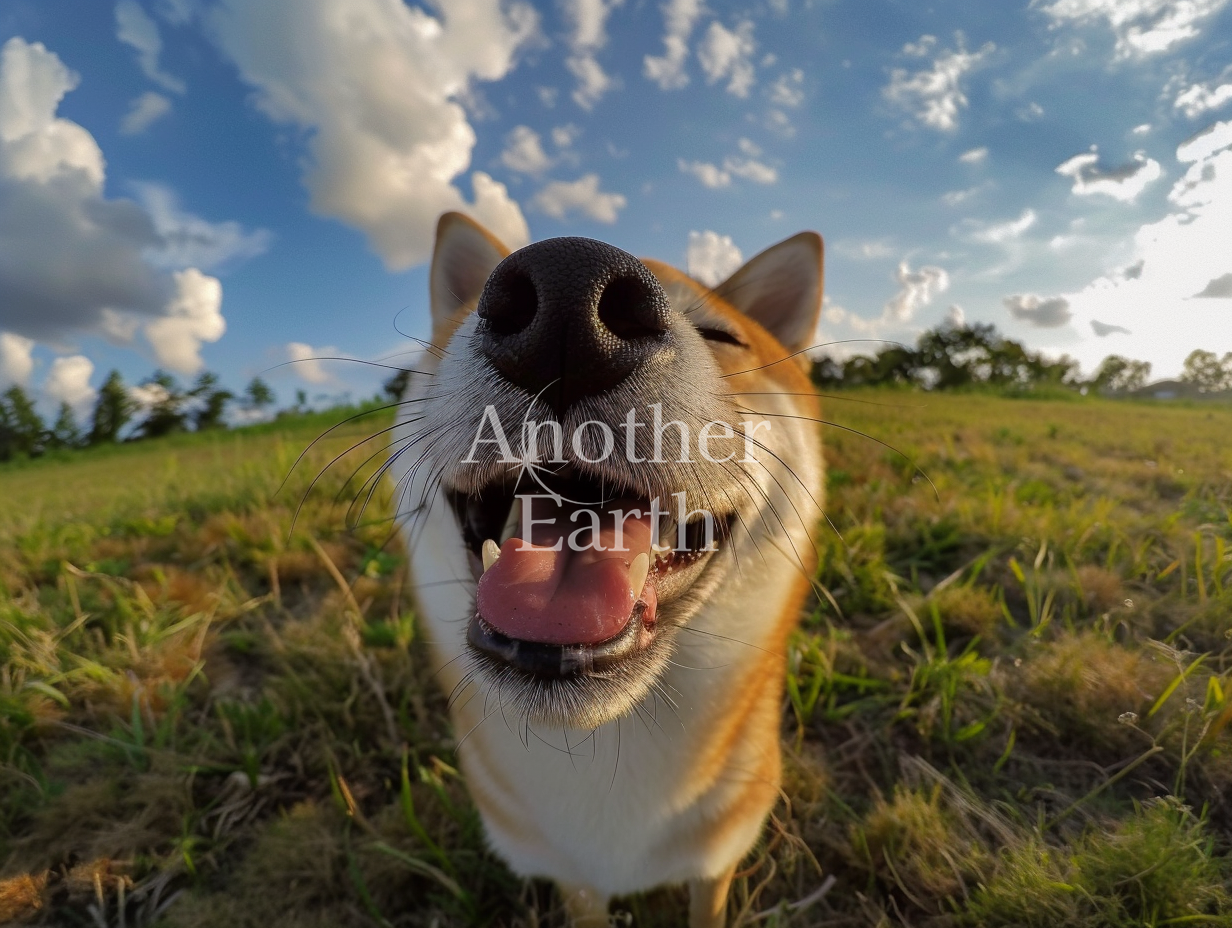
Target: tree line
{"points": [[165, 407], [953, 357]]}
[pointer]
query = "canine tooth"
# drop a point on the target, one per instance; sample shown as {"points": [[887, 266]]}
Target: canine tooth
{"points": [[637, 573], [491, 554], [662, 549], [513, 521]]}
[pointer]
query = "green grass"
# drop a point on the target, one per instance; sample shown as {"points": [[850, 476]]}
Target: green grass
{"points": [[1009, 702]]}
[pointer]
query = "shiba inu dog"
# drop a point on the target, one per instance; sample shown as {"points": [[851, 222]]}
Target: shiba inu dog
{"points": [[609, 477]]}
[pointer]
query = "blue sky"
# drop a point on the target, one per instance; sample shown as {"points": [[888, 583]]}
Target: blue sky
{"points": [[230, 184]]}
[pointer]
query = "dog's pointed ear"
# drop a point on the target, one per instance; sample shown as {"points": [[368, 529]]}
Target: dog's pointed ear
{"points": [[780, 289], [462, 260]]}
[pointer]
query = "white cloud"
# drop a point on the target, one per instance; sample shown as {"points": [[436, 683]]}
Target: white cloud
{"points": [[727, 53], [144, 111], [376, 86], [68, 381], [999, 232], [190, 241], [955, 317], [561, 198], [70, 260], [193, 317], [958, 197], [1042, 312], [710, 175], [974, 156], [667, 70], [1141, 27], [565, 136], [177, 12], [16, 359], [934, 96], [135, 27], [1142, 129], [788, 90], [712, 258], [1104, 329], [866, 250], [1029, 113], [588, 19], [750, 169], [917, 290], [1197, 99], [1122, 183], [307, 364], [524, 152]]}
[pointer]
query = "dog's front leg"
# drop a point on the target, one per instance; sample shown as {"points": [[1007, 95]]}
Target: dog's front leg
{"points": [[586, 907], [708, 901]]}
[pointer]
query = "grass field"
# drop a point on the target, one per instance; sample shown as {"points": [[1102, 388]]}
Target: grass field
{"points": [[1009, 703]]}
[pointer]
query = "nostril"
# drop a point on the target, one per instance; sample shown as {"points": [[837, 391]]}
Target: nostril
{"points": [[629, 308], [510, 305]]}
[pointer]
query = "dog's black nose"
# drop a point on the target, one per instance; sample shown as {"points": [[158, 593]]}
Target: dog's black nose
{"points": [[568, 318]]}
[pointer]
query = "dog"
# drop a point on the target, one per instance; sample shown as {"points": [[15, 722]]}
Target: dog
{"points": [[609, 480]]}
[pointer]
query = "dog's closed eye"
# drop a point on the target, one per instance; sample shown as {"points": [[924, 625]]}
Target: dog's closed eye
{"points": [[721, 335]]}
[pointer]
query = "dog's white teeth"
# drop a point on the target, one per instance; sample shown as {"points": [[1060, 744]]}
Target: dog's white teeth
{"points": [[490, 553], [513, 521], [661, 550], [638, 571]]}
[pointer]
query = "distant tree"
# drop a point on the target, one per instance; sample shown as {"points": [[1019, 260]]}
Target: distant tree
{"points": [[112, 411], [1121, 374], [301, 399], [65, 433], [1207, 371], [395, 386], [258, 395], [209, 402], [167, 414], [22, 430]]}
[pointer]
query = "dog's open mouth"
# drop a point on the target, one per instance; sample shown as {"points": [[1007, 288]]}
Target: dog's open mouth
{"points": [[573, 574]]}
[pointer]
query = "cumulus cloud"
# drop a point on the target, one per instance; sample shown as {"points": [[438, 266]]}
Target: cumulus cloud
{"points": [[955, 318], [727, 53], [135, 27], [588, 34], [1042, 312], [562, 198], [788, 90], [565, 136], [1122, 183], [667, 70], [997, 233], [712, 258], [377, 89], [72, 261], [144, 111], [1197, 99], [934, 96], [68, 381], [711, 175], [187, 240], [974, 156], [16, 359], [745, 165], [916, 290], [193, 316], [1141, 27], [307, 363], [1104, 329], [524, 152]]}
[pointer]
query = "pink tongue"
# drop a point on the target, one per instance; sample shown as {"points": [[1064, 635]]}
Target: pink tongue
{"points": [[535, 593]]}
